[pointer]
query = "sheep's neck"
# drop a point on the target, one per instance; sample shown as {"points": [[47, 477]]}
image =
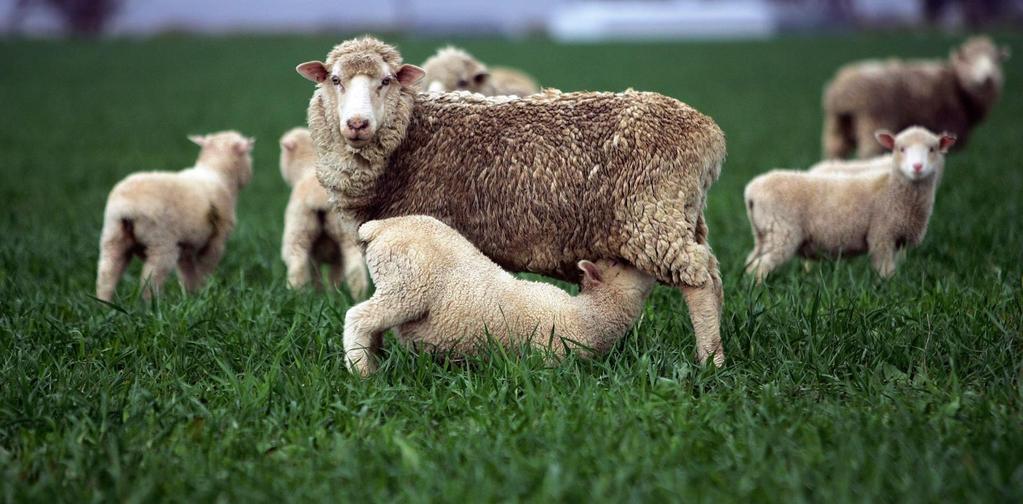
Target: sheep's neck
{"points": [[914, 199], [367, 164]]}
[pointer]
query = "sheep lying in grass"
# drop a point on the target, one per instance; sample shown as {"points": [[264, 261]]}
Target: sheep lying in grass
{"points": [[175, 219], [953, 95], [834, 214], [441, 292], [453, 69], [537, 183], [313, 233]]}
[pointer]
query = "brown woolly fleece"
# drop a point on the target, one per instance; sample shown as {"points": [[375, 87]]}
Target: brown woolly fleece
{"points": [[940, 95], [541, 182], [313, 234], [443, 294]]}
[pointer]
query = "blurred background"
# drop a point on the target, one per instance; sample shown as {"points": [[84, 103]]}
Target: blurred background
{"points": [[564, 20]]}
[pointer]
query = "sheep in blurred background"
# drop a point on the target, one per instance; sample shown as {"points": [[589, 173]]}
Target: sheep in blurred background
{"points": [[537, 183], [951, 95], [453, 69], [175, 219], [875, 211], [441, 292], [313, 234]]}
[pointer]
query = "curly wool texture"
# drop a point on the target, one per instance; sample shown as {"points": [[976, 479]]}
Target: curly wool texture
{"points": [[540, 182], [313, 233], [894, 94], [442, 293]]}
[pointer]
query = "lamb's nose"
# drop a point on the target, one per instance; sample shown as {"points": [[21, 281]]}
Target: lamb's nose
{"points": [[357, 123], [918, 167]]}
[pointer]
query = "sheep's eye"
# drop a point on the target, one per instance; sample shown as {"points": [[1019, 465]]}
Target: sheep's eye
{"points": [[462, 83], [336, 80], [931, 150], [480, 78], [902, 149], [386, 81]]}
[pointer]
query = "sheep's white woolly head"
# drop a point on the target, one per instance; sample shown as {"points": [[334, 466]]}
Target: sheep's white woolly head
{"points": [[364, 78], [978, 66], [618, 275], [917, 153], [453, 69], [227, 150], [297, 150]]}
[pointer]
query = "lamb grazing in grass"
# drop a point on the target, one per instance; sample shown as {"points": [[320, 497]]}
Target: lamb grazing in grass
{"points": [[453, 69], [175, 219], [952, 95], [537, 183], [835, 214], [313, 233], [441, 292]]}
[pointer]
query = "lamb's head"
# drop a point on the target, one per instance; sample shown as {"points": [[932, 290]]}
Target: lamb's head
{"points": [[227, 152], [298, 154], [364, 79], [978, 67], [615, 277], [917, 153], [453, 69]]}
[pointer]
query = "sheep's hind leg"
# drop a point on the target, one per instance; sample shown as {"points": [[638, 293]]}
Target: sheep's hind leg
{"points": [[114, 255], [364, 327], [837, 137], [705, 303]]}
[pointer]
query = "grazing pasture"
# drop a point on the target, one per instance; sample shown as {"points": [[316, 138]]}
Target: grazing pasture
{"points": [[838, 386]]}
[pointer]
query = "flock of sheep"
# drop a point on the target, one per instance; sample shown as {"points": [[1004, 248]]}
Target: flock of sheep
{"points": [[442, 179]]}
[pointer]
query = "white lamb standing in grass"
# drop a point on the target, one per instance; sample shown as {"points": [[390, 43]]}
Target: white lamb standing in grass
{"points": [[441, 292], [873, 211], [175, 219], [313, 233]]}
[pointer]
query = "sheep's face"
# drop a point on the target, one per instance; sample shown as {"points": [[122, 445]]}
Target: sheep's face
{"points": [[978, 66], [457, 71], [365, 90], [917, 153], [617, 275]]}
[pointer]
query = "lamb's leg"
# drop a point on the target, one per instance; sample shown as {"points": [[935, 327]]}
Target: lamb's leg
{"points": [[355, 272], [188, 273], [836, 142], [705, 303], [208, 257], [778, 245], [160, 261], [298, 259], [364, 327], [114, 254], [882, 256]]}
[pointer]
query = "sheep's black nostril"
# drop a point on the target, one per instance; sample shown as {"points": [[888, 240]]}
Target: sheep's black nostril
{"points": [[356, 124]]}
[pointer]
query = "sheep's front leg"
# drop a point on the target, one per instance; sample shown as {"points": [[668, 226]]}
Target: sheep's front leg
{"points": [[705, 303], [297, 255], [882, 256], [160, 261], [364, 327]]}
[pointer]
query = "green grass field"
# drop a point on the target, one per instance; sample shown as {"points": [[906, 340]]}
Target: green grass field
{"points": [[839, 387]]}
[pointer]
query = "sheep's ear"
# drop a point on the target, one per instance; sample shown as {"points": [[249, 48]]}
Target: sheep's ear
{"points": [[885, 138], [947, 141], [245, 146], [1003, 53], [199, 140], [481, 78], [313, 70], [409, 74], [591, 274], [288, 144]]}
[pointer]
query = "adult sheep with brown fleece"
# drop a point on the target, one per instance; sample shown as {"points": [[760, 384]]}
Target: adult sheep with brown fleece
{"points": [[537, 183], [952, 95]]}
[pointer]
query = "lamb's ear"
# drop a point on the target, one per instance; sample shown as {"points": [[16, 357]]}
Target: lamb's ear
{"points": [[288, 144], [885, 138], [199, 140], [590, 272], [409, 74], [947, 141], [313, 70], [245, 145]]}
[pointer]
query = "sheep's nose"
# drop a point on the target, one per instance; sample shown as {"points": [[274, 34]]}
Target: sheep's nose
{"points": [[918, 167], [357, 124]]}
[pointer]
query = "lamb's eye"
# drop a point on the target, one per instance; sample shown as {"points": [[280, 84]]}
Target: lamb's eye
{"points": [[462, 83], [902, 150], [336, 80], [931, 150], [386, 81]]}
